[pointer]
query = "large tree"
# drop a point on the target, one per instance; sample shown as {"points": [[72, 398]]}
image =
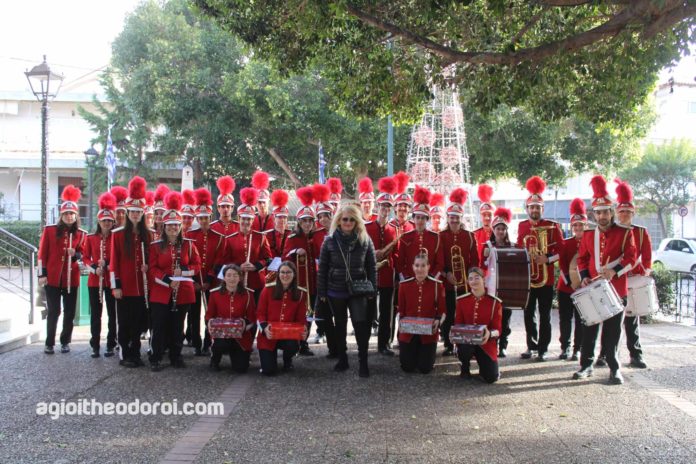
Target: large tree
{"points": [[664, 178], [594, 59]]}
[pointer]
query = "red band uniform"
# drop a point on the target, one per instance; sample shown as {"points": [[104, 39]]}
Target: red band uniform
{"points": [[484, 310], [226, 305]]}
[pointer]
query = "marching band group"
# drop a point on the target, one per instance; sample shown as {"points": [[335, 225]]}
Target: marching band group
{"points": [[157, 259]]}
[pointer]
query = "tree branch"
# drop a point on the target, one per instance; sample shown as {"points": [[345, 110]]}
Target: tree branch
{"points": [[284, 166], [535, 19]]}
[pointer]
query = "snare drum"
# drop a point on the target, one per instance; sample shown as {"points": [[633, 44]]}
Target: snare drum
{"points": [[226, 328], [287, 330], [597, 302], [508, 276], [642, 296], [416, 325], [467, 334]]}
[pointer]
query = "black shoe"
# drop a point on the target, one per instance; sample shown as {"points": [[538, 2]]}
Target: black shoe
{"points": [[583, 373], [448, 351], [342, 364], [565, 354], [287, 366], [137, 362], [364, 371], [465, 372], [95, 353], [502, 353], [576, 356], [305, 351], [155, 366], [541, 357], [601, 362], [638, 362], [528, 354], [65, 348], [127, 363], [615, 378], [198, 352], [215, 366], [109, 352], [386, 352], [49, 350], [178, 363], [332, 356], [206, 351]]}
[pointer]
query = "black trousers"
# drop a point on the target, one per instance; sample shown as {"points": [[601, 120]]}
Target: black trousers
{"points": [[359, 316], [488, 369], [53, 299], [386, 317], [416, 355], [611, 334], [539, 339], [505, 329], [238, 357], [451, 304], [631, 325], [95, 317], [395, 310], [167, 326], [303, 343], [130, 317], [193, 322], [323, 310], [566, 313], [269, 358]]}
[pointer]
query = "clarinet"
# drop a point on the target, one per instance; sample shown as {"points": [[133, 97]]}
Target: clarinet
{"points": [[101, 277], [175, 291], [142, 254], [69, 260]]}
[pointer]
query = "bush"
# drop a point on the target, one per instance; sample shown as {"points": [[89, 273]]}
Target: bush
{"points": [[664, 284], [29, 231]]}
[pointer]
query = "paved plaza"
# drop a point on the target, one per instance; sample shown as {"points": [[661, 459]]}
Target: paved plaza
{"points": [[535, 413]]}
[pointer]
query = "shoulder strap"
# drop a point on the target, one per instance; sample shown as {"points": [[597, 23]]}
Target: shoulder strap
{"points": [[345, 261]]}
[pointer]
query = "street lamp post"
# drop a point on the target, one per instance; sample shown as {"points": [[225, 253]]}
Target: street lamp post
{"points": [[90, 155], [44, 85]]}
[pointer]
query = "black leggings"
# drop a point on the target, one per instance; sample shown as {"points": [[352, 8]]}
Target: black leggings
{"points": [[488, 369], [167, 326], [95, 317], [385, 316], [416, 355], [362, 323], [566, 313], [53, 297], [238, 357], [269, 358], [130, 312]]}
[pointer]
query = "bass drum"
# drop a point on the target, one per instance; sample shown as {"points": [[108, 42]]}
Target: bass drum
{"points": [[508, 276]]}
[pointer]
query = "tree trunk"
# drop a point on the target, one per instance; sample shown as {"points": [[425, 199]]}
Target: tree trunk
{"points": [[284, 166], [661, 220]]}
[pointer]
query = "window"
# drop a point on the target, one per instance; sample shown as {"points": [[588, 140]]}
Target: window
{"points": [[691, 108]]}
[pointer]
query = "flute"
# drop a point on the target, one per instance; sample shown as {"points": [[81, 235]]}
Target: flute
{"points": [[101, 276], [175, 292], [203, 297], [142, 254], [246, 274], [69, 260]]}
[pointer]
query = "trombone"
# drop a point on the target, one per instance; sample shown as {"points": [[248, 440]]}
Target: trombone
{"points": [[458, 268]]}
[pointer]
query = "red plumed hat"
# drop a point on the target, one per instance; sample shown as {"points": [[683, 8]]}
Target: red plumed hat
{"points": [[402, 179], [535, 186], [204, 202], [624, 196], [578, 213], [260, 181], [437, 199], [306, 197], [458, 195], [173, 202], [501, 216], [71, 195], [387, 189], [249, 196], [485, 193], [149, 202], [136, 194], [107, 206], [600, 196], [189, 198], [225, 185], [336, 188], [160, 192], [121, 194], [366, 189], [320, 193], [279, 200], [421, 200]]}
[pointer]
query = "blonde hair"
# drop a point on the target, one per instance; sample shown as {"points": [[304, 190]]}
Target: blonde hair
{"points": [[354, 212]]}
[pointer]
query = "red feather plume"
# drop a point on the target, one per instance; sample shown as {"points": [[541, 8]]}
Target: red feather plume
{"points": [[335, 185], [121, 193], [485, 193], [402, 179], [320, 193], [437, 199], [504, 213], [535, 185], [421, 195], [161, 191], [225, 185], [137, 187], [107, 201], [249, 196], [459, 195], [599, 186], [189, 197], [577, 206], [173, 200], [365, 185], [260, 180], [149, 198], [71, 193], [387, 185], [203, 197], [306, 195], [624, 193], [280, 198]]}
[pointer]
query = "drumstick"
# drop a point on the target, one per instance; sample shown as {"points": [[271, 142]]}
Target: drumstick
{"points": [[246, 273]]}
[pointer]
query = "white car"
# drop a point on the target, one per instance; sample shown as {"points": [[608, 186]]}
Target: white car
{"points": [[676, 254]]}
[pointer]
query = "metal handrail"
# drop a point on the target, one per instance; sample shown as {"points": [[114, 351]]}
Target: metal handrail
{"points": [[25, 253]]}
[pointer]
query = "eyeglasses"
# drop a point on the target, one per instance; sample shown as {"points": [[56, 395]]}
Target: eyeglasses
{"points": [[285, 272], [347, 219]]}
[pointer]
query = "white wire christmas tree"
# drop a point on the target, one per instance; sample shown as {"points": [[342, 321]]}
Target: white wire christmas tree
{"points": [[437, 154]]}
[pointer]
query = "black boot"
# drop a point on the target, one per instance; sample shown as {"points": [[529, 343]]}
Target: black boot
{"points": [[342, 364], [364, 371]]}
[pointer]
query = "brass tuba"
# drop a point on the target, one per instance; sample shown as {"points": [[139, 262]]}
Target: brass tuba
{"points": [[458, 268], [537, 244]]}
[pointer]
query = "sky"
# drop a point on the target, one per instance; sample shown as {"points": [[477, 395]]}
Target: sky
{"points": [[76, 36]]}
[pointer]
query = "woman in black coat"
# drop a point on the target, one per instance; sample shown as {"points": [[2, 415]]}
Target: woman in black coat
{"points": [[347, 246]]}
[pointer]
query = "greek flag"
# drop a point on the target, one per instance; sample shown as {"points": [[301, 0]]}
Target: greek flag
{"points": [[322, 164], [110, 160]]}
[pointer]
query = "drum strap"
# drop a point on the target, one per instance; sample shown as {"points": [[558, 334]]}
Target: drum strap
{"points": [[598, 264]]}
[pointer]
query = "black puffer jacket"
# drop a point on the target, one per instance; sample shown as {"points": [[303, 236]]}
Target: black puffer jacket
{"points": [[332, 269]]}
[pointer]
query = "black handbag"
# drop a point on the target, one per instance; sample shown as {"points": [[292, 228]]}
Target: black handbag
{"points": [[360, 287]]}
